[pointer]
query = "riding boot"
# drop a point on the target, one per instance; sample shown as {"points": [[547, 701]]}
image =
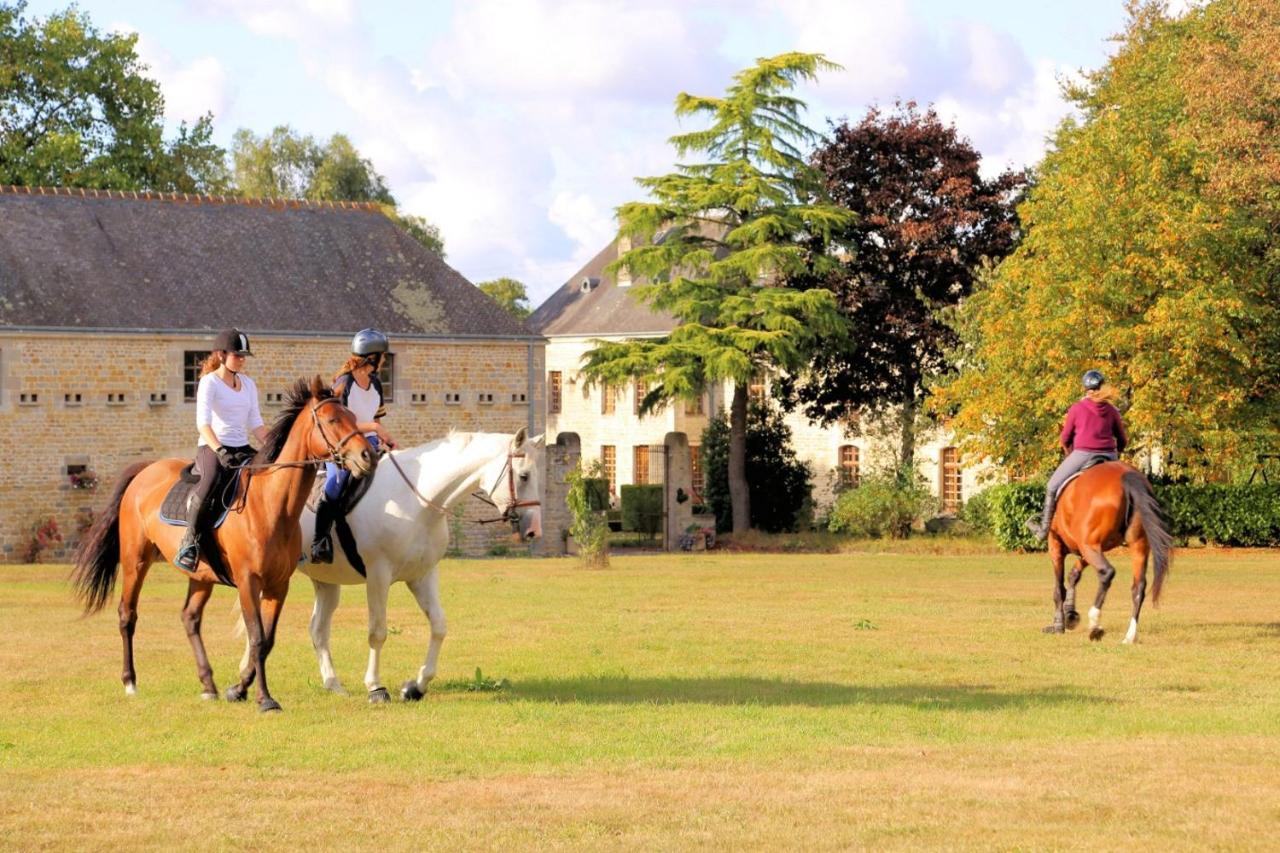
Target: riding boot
{"points": [[322, 542], [1041, 530], [188, 555]]}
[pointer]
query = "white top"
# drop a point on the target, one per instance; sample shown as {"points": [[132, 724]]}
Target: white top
{"points": [[363, 402], [231, 414]]}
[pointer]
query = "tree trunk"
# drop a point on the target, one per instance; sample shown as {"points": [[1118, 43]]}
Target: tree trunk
{"points": [[907, 458], [739, 494]]}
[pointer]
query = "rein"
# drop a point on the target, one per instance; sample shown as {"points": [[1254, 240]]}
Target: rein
{"points": [[427, 502]]}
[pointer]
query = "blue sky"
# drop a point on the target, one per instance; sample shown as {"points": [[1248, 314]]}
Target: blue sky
{"points": [[517, 126]]}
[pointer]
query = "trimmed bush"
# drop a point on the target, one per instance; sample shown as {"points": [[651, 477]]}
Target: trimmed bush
{"points": [[1232, 515], [881, 505], [642, 509], [976, 513]]}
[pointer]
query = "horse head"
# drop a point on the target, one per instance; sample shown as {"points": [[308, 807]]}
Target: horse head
{"points": [[513, 481], [333, 433]]}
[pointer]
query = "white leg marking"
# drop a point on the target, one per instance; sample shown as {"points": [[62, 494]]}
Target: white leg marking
{"points": [[1094, 615], [130, 689], [1132, 636]]}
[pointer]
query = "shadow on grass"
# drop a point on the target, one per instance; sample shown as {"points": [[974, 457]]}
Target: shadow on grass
{"points": [[619, 690]]}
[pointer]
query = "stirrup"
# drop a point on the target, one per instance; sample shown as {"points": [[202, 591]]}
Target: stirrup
{"points": [[188, 558], [322, 550]]}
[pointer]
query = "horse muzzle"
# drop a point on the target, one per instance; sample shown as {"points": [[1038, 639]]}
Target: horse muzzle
{"points": [[530, 523], [360, 463]]}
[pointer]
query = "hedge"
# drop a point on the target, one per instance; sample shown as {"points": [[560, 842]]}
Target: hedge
{"points": [[642, 509], [1240, 515]]}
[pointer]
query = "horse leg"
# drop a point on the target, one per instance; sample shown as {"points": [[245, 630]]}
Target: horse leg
{"points": [[198, 593], [271, 606], [327, 595], [427, 591], [1069, 606], [376, 588], [250, 595], [135, 561], [1057, 555], [1139, 588], [1106, 573]]}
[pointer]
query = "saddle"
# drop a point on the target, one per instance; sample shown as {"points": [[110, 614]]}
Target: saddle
{"points": [[173, 510], [350, 498], [1091, 462]]}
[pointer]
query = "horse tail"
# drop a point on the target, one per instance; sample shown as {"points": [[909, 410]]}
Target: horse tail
{"points": [[98, 556], [1142, 500]]}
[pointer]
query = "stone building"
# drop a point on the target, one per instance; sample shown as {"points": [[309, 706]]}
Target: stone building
{"points": [[108, 302], [593, 305]]}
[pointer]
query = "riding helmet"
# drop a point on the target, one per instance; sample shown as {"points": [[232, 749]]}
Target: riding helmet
{"points": [[232, 340], [369, 341], [1093, 380]]}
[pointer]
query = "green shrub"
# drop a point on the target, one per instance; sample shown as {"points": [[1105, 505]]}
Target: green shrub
{"points": [[976, 513], [882, 505], [589, 528], [779, 484], [1232, 515], [597, 492], [642, 509]]}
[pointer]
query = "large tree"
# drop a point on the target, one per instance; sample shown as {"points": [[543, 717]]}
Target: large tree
{"points": [[925, 219], [77, 110], [716, 242], [508, 293], [1144, 256]]}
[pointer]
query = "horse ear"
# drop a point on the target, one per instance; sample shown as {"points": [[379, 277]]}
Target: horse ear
{"points": [[317, 387], [520, 436]]}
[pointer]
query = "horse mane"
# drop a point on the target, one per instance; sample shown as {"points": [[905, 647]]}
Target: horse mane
{"points": [[296, 399]]}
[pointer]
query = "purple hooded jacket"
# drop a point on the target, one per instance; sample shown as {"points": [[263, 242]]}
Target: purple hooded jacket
{"points": [[1093, 425]]}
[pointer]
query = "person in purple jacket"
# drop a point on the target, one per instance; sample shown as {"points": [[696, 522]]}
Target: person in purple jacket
{"points": [[1093, 428]]}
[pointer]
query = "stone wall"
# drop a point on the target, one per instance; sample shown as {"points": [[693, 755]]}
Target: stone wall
{"points": [[103, 400]]}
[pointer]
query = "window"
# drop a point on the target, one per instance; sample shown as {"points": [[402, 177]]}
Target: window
{"points": [[386, 375], [609, 461], [640, 464], [641, 389], [608, 399], [756, 389], [952, 497], [849, 475], [191, 361], [695, 466], [694, 406], [555, 393]]}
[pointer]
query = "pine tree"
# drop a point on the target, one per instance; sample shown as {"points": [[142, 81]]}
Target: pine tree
{"points": [[717, 242]]}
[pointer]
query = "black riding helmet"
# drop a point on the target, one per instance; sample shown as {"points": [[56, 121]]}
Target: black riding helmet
{"points": [[232, 340], [370, 343], [1093, 380]]}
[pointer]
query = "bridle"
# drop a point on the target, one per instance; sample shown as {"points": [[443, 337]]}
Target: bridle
{"points": [[335, 450], [509, 514]]}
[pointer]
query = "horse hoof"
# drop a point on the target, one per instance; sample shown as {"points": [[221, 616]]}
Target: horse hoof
{"points": [[209, 697], [379, 696], [1052, 629], [333, 685], [235, 694], [1095, 634], [411, 692], [1073, 620], [268, 704]]}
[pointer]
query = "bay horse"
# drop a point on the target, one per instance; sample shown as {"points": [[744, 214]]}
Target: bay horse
{"points": [[259, 542], [401, 528], [1106, 506]]}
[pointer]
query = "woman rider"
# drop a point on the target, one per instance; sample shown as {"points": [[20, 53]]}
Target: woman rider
{"points": [[1093, 428], [226, 412], [360, 390]]}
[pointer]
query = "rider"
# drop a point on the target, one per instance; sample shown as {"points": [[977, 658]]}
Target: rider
{"points": [[1093, 428], [226, 412], [360, 390]]}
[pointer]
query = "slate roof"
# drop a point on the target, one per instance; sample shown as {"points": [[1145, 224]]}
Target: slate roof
{"points": [[602, 309], [128, 261]]}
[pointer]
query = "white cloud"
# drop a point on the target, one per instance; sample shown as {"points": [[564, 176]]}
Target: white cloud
{"points": [[190, 89], [285, 18]]}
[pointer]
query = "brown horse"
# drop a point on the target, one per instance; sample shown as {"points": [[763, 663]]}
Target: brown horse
{"points": [[259, 542], [1106, 506]]}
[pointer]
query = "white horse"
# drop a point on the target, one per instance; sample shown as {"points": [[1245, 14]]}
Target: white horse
{"points": [[401, 528]]}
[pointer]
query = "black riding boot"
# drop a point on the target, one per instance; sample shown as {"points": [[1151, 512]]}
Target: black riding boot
{"points": [[322, 542], [1041, 530], [189, 549]]}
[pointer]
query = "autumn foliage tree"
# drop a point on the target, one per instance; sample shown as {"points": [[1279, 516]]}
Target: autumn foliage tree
{"points": [[924, 221], [1148, 254]]}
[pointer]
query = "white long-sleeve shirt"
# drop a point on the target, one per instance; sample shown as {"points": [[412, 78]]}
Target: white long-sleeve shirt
{"points": [[230, 414]]}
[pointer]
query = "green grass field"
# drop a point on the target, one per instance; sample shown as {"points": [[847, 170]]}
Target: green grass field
{"points": [[867, 700]]}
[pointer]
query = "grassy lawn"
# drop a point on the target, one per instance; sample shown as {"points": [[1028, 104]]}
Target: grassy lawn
{"points": [[723, 700]]}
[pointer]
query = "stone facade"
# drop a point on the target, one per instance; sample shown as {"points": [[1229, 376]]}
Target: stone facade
{"points": [[100, 400]]}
